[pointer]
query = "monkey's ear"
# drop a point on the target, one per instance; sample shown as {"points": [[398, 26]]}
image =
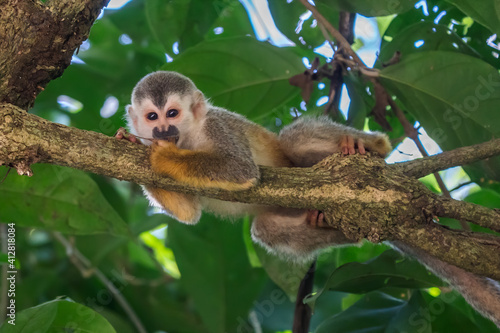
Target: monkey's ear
{"points": [[200, 107], [131, 116]]}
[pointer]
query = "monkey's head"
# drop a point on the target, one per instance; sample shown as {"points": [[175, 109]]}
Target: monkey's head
{"points": [[165, 105]]}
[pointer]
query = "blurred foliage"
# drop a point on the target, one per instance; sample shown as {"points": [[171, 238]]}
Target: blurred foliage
{"points": [[180, 278]]}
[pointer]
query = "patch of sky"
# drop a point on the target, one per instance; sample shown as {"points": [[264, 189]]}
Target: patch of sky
{"points": [[423, 4], [116, 4], [76, 60], [109, 107], [263, 23], [125, 39], [439, 17], [69, 104]]}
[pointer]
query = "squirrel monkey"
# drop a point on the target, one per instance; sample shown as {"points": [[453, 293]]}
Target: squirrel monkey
{"points": [[202, 145]]}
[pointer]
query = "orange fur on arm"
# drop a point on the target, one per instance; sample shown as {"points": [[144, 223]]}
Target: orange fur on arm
{"points": [[183, 207], [195, 168]]}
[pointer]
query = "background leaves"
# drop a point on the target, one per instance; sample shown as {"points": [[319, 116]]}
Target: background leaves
{"points": [[453, 114]]}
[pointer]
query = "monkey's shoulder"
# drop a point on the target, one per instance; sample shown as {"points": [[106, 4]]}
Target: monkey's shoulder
{"points": [[219, 116], [222, 123]]}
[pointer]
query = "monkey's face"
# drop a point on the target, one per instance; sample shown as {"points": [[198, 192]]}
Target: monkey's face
{"points": [[167, 122]]}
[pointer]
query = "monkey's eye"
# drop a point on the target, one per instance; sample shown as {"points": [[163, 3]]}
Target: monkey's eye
{"points": [[152, 116], [172, 113]]}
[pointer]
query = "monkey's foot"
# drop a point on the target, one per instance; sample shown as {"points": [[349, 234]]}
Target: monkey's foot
{"points": [[349, 145], [316, 219], [123, 134]]}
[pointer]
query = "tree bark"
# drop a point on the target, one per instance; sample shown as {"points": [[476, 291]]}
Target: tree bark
{"points": [[457, 157], [37, 42], [361, 196]]}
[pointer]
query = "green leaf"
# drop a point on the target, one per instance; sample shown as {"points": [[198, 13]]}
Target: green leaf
{"points": [[184, 21], [361, 103], [287, 275], [379, 313], [241, 74], [486, 12], [58, 198], [475, 36], [369, 7], [291, 20], [454, 96], [485, 197], [58, 316], [390, 269], [215, 271], [434, 37], [232, 21], [337, 256], [131, 20], [371, 314]]}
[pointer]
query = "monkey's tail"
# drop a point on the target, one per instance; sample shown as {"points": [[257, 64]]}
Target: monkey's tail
{"points": [[308, 140], [483, 294]]}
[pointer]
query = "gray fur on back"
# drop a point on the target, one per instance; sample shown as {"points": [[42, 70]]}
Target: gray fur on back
{"points": [[227, 131]]}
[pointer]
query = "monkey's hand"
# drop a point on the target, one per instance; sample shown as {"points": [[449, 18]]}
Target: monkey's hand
{"points": [[123, 134], [202, 168], [349, 144]]}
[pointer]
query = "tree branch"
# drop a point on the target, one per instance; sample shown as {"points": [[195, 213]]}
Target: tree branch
{"points": [[412, 133], [476, 214], [448, 159], [86, 269], [363, 197]]}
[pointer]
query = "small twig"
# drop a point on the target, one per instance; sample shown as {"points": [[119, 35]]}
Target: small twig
{"points": [[5, 177], [346, 25], [133, 280], [448, 159], [461, 185], [346, 29], [412, 133], [303, 312], [477, 214], [85, 266], [328, 38], [371, 73], [342, 42]]}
